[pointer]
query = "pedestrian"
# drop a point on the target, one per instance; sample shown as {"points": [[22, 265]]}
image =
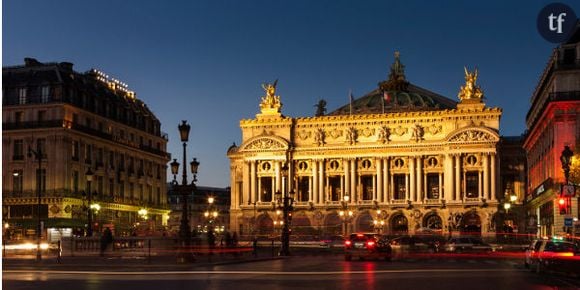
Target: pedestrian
{"points": [[228, 240], [235, 239], [255, 247], [106, 239]]}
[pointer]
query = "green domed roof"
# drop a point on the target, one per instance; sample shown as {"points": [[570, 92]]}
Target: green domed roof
{"points": [[396, 95]]}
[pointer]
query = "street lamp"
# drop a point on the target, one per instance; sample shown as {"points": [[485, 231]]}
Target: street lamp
{"points": [[379, 222], [345, 214], [286, 204], [89, 175], [38, 156], [185, 189]]}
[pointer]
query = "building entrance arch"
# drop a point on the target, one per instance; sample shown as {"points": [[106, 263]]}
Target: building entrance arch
{"points": [[433, 222], [399, 224], [265, 225], [471, 224], [365, 223], [332, 224]]}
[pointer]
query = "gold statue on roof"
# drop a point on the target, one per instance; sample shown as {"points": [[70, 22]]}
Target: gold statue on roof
{"points": [[471, 91], [270, 102]]}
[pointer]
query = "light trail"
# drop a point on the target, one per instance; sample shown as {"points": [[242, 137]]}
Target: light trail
{"points": [[274, 273]]}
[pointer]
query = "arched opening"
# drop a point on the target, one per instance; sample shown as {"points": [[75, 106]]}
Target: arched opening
{"points": [[332, 224], [265, 225], [433, 222], [301, 225], [399, 224], [365, 223], [471, 224]]}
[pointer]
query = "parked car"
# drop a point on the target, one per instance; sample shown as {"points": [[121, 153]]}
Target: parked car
{"points": [[336, 241], [467, 244], [555, 255], [367, 245]]}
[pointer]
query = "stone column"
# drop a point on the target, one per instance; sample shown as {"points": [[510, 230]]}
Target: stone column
{"points": [[260, 189], [315, 181], [440, 186], [379, 180], [419, 165], [352, 180], [245, 183], [278, 179], [412, 179], [493, 176], [253, 181], [346, 169], [386, 184], [448, 175], [375, 188], [458, 189], [321, 191], [310, 189], [485, 179], [407, 191]]}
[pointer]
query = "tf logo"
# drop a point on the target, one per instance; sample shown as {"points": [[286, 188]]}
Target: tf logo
{"points": [[556, 22]]}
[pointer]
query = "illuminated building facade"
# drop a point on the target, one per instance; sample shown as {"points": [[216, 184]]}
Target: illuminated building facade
{"points": [[553, 121], [408, 159], [79, 121]]}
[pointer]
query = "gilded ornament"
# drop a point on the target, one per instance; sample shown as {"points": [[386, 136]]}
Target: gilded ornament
{"points": [[270, 102], [351, 136], [319, 137], [384, 134], [471, 91], [418, 133], [401, 131]]}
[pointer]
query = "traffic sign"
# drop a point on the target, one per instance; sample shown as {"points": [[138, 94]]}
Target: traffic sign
{"points": [[567, 222]]}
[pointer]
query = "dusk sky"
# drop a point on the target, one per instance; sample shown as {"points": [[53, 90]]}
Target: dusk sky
{"points": [[205, 61]]}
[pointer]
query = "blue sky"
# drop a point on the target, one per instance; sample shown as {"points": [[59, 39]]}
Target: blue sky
{"points": [[204, 61]]}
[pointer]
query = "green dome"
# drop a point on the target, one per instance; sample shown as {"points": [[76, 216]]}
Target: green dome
{"points": [[396, 94]]}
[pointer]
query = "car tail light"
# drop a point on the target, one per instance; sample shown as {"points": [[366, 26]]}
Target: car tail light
{"points": [[370, 244], [347, 243]]}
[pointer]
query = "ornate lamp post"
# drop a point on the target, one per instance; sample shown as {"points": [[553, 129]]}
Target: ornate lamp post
{"points": [[185, 189], [89, 175], [38, 156], [379, 223], [345, 214], [286, 204]]}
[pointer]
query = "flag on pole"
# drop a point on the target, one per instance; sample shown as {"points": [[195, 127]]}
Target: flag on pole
{"points": [[350, 98], [386, 97]]}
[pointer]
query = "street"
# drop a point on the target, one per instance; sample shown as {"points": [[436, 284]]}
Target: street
{"points": [[299, 272]]}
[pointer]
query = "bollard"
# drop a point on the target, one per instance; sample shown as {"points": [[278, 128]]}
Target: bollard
{"points": [[273, 251]]}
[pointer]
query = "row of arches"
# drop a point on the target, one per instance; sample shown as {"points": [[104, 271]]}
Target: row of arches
{"points": [[396, 223]]}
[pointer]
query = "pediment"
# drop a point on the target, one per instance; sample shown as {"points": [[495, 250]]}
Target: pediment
{"points": [[261, 143], [474, 134]]}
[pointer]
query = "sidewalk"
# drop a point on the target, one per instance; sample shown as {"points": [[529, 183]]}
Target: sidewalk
{"points": [[122, 263]]}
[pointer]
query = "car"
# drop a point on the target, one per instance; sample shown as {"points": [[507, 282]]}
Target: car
{"points": [[531, 252], [467, 244], [406, 245], [555, 255], [336, 241], [367, 245]]}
